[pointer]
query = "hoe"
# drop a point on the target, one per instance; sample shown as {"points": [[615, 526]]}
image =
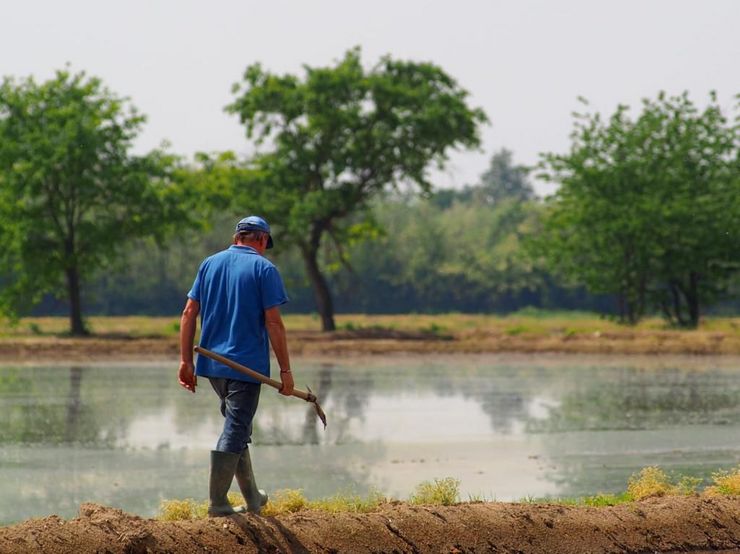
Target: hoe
{"points": [[307, 396]]}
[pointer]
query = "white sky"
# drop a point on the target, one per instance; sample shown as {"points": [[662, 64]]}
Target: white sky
{"points": [[524, 61]]}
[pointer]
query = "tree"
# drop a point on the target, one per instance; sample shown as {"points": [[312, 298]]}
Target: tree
{"points": [[504, 181], [649, 208], [340, 136], [70, 191]]}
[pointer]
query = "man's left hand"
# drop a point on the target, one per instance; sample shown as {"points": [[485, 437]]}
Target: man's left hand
{"points": [[187, 377]]}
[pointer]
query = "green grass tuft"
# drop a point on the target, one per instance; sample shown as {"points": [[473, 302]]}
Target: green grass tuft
{"points": [[286, 501], [179, 510], [440, 492], [653, 481], [648, 482], [725, 483], [349, 503]]}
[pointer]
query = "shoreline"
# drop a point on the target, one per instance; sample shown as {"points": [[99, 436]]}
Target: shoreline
{"points": [[349, 344], [662, 524]]}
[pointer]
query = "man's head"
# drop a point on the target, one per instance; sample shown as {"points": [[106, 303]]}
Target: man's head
{"points": [[253, 230]]}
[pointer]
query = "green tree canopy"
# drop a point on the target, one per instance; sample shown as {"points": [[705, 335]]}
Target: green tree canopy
{"points": [[337, 138], [649, 208], [504, 181], [71, 193]]}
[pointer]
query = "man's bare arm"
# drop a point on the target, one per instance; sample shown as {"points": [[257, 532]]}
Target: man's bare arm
{"points": [[188, 323], [279, 341]]}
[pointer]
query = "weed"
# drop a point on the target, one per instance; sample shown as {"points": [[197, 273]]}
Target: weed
{"points": [[444, 492], [725, 482], [599, 500], [688, 485], [178, 510], [292, 500], [650, 481], [285, 501], [349, 503], [653, 481]]}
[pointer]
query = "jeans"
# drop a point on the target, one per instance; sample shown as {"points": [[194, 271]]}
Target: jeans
{"points": [[239, 401]]}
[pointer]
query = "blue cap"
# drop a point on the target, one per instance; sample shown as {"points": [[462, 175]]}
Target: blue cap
{"points": [[255, 223]]}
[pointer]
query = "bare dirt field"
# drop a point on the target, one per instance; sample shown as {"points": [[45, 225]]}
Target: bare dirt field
{"points": [[124, 338], [369, 342], [668, 524]]}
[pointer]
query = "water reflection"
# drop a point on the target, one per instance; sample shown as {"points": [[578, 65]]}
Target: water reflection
{"points": [[61, 418], [634, 399], [506, 426], [73, 403]]}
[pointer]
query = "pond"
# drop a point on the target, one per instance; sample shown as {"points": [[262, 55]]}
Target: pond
{"points": [[506, 426]]}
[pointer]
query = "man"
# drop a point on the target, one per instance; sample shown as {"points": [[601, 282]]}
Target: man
{"points": [[238, 294]]}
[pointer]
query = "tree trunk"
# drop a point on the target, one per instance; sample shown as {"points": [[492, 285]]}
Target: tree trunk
{"points": [[621, 308], [76, 325], [692, 299], [676, 293], [320, 288]]}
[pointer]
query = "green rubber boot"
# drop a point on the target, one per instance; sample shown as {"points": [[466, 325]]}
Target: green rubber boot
{"points": [[223, 467], [254, 497]]}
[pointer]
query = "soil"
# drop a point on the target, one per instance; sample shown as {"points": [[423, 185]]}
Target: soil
{"points": [[382, 341], [669, 524]]}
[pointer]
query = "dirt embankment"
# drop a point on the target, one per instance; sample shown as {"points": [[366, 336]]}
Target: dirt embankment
{"points": [[382, 341], [672, 524]]}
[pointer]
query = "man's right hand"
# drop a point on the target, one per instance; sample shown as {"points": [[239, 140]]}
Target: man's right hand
{"points": [[286, 378], [187, 377]]}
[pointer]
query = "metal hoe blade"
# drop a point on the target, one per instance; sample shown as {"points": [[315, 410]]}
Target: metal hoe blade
{"points": [[313, 400], [307, 396]]}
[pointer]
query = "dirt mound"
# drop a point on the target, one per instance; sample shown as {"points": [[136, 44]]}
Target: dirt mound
{"points": [[656, 525]]}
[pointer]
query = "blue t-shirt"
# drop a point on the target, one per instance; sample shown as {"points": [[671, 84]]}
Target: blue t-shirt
{"points": [[234, 288]]}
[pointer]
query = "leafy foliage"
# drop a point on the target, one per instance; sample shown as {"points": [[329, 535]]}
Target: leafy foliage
{"points": [[648, 208], [71, 193], [339, 137]]}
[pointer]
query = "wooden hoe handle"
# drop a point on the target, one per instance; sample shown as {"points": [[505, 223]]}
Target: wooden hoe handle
{"points": [[308, 397]]}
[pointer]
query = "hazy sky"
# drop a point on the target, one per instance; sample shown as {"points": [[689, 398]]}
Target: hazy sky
{"points": [[524, 62]]}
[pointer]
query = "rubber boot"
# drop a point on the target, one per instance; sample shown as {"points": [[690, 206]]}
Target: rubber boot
{"points": [[223, 467], [254, 497]]}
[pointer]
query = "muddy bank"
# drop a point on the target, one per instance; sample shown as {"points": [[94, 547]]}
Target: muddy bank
{"points": [[371, 342], [672, 524]]}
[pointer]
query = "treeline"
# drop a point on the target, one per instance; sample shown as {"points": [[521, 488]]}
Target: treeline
{"points": [[418, 265], [469, 250], [646, 217]]}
